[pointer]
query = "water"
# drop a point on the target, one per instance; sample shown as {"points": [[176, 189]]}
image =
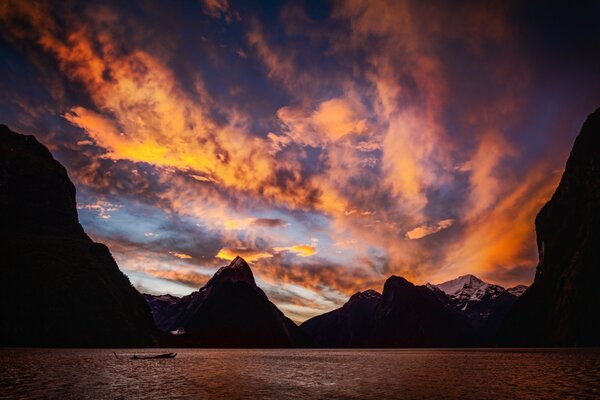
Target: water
{"points": [[301, 374]]}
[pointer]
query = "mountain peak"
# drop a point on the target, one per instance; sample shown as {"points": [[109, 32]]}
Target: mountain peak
{"points": [[367, 294], [454, 286], [238, 270], [397, 281], [238, 262], [36, 193]]}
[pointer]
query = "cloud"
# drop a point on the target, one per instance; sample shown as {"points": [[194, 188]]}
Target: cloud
{"points": [[250, 255], [255, 222], [215, 8], [268, 222], [189, 278], [429, 229], [332, 120], [104, 209], [280, 65], [303, 250], [183, 256]]}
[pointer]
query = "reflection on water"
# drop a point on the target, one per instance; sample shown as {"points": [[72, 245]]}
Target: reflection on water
{"points": [[301, 374]]}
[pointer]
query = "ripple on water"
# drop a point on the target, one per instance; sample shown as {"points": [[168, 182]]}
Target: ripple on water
{"points": [[302, 374]]}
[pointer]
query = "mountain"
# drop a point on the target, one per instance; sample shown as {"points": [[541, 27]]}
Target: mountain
{"points": [[485, 305], [404, 315], [517, 290], [161, 308], [60, 288], [413, 316], [561, 308], [229, 311], [348, 326]]}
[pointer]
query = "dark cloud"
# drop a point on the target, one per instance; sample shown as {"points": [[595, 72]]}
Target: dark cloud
{"points": [[269, 222]]}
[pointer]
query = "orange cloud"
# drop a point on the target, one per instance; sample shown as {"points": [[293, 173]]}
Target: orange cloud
{"points": [[303, 250], [332, 120], [428, 229], [183, 256], [248, 254], [504, 238]]}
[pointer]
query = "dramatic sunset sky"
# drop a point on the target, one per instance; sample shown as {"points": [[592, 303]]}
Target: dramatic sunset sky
{"points": [[330, 144]]}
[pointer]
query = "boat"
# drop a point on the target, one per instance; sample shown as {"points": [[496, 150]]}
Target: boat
{"points": [[153, 356]]}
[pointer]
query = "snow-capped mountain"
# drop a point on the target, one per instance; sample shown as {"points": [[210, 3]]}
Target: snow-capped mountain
{"points": [[483, 304], [466, 290]]}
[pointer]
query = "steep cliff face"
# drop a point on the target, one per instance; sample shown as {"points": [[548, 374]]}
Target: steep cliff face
{"points": [[561, 306], [60, 288], [229, 311], [36, 196]]}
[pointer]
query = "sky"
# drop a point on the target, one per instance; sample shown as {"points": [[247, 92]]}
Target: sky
{"points": [[331, 144]]}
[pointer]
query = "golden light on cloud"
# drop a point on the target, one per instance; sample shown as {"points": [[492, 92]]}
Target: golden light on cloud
{"points": [[248, 254], [332, 120], [428, 229], [182, 256], [302, 250]]}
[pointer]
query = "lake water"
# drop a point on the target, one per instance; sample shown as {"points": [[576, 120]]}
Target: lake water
{"points": [[301, 374]]}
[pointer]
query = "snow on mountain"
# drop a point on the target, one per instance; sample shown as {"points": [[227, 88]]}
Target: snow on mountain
{"points": [[483, 304], [517, 290], [469, 288]]}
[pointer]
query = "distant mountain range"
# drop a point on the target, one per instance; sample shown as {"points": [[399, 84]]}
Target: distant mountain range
{"points": [[63, 290], [461, 312]]}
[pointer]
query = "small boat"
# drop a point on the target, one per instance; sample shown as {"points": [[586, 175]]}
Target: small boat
{"points": [[153, 356]]}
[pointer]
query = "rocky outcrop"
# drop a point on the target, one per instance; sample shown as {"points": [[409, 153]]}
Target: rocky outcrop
{"points": [[229, 311], [561, 306], [60, 288]]}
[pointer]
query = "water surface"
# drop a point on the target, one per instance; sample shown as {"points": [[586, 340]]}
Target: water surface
{"points": [[301, 374]]}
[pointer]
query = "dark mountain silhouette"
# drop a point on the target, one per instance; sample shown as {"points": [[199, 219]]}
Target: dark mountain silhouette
{"points": [[412, 316], [348, 326], [162, 308], [229, 311], [60, 288], [405, 315], [561, 308], [485, 305]]}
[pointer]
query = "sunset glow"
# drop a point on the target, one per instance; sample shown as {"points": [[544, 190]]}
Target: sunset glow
{"points": [[330, 146]]}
